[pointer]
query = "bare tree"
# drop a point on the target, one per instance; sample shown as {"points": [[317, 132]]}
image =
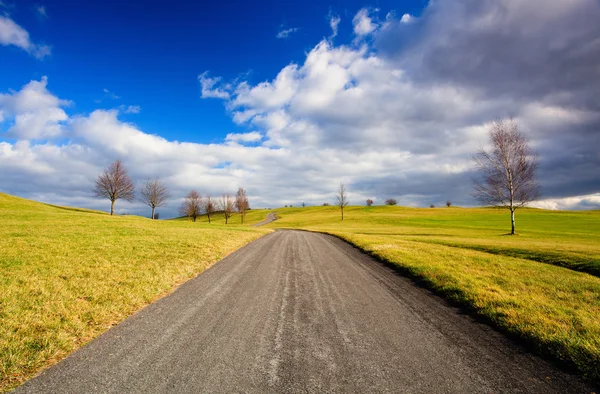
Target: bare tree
{"points": [[227, 206], [448, 203], [114, 184], [507, 171], [431, 205], [241, 203], [369, 202], [342, 198], [391, 201], [192, 205], [154, 194], [209, 206]]}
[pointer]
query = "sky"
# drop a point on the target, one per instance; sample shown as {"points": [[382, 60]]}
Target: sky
{"points": [[289, 99]]}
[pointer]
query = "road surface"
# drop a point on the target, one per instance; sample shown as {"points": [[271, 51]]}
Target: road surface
{"points": [[271, 217], [300, 312]]}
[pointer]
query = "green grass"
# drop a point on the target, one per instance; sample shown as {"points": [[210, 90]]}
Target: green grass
{"points": [[528, 286], [253, 216], [69, 274]]}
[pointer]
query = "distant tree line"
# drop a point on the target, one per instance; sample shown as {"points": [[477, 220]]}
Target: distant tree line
{"points": [[115, 183]]}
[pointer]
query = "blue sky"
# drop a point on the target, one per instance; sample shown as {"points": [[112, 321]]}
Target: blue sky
{"points": [[150, 53], [290, 98]]}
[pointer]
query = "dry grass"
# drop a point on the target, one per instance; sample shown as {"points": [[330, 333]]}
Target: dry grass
{"points": [[526, 285], [69, 275]]}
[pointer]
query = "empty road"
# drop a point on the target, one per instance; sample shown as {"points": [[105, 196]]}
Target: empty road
{"points": [[300, 312]]}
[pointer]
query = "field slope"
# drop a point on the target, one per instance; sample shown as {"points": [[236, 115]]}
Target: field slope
{"points": [[69, 274], [541, 286]]}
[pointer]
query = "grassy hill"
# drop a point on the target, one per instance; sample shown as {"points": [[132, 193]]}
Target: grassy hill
{"points": [[542, 286], [69, 274]]}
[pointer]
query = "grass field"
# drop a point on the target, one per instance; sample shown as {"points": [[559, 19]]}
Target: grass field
{"points": [[67, 275], [253, 216], [541, 286]]}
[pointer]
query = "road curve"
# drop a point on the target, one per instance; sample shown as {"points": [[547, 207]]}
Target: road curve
{"points": [[301, 312], [271, 217]]}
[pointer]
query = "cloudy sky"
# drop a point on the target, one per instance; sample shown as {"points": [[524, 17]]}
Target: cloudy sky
{"points": [[290, 99]]}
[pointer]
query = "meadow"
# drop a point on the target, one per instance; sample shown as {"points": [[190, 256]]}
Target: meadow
{"points": [[541, 287], [67, 275]]}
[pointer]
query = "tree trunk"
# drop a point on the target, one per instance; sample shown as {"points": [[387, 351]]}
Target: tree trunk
{"points": [[342, 213], [512, 221], [208, 215], [152, 213], [226, 218], [112, 207]]}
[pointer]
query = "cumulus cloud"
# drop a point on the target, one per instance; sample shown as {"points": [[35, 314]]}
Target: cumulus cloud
{"points": [[363, 22], [285, 33], [35, 112], [396, 116], [13, 34]]}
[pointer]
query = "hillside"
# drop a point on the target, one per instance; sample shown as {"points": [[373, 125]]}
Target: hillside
{"points": [[69, 274]]}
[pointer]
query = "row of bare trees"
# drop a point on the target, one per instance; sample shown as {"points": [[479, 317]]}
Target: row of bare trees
{"points": [[115, 183], [194, 205]]}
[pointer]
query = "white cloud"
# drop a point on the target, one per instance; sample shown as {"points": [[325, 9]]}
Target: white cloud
{"points": [[207, 83], [253, 136], [35, 112], [591, 201], [334, 22], [406, 18], [131, 109], [13, 34], [285, 33], [363, 23]]}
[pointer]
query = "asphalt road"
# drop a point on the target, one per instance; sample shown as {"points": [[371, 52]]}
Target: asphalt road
{"points": [[301, 312], [271, 217]]}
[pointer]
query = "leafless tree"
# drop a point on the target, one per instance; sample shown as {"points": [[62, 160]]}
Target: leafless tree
{"points": [[114, 184], [209, 206], [154, 194], [227, 206], [192, 205], [369, 202], [448, 203], [326, 204], [431, 205], [508, 170], [241, 203], [342, 198], [391, 201]]}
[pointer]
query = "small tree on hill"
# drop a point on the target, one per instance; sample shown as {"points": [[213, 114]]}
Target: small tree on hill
{"points": [[114, 184], [390, 201], [209, 206], [448, 203], [342, 198], [154, 194], [241, 203], [369, 202], [431, 205], [507, 171], [192, 205], [227, 206]]}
